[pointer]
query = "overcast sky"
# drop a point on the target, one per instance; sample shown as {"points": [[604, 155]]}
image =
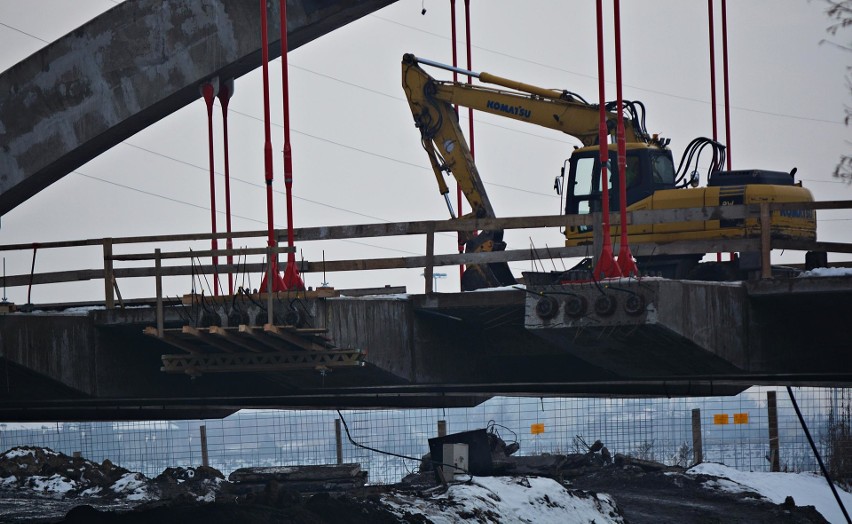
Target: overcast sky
{"points": [[356, 153]]}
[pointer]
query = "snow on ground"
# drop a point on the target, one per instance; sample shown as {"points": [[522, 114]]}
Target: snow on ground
{"points": [[391, 296], [807, 489], [133, 485], [827, 272], [53, 485], [506, 500], [23, 452]]}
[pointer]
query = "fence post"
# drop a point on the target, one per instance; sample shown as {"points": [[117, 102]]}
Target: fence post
{"points": [[429, 270], [765, 241], [442, 428], [158, 265], [109, 275], [338, 439], [774, 443], [203, 430], [697, 444]]}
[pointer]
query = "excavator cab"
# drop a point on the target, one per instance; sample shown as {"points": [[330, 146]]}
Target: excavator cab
{"points": [[648, 169]]}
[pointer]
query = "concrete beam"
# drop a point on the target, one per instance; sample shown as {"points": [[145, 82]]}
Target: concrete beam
{"points": [[130, 67]]}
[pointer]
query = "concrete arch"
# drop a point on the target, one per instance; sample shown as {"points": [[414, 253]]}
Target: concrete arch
{"points": [[130, 67]]}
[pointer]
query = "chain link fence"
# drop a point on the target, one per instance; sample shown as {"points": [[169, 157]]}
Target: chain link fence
{"points": [[734, 431]]}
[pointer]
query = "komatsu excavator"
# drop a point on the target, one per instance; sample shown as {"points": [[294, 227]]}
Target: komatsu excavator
{"points": [[651, 178]]}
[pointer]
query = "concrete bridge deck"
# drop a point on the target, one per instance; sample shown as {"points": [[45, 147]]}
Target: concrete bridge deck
{"points": [[458, 349]]}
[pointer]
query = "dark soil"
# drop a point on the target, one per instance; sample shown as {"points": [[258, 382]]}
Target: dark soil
{"points": [[663, 497]]}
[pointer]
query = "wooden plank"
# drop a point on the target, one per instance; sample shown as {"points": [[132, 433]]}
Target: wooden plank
{"points": [[7, 307], [428, 270], [296, 473], [257, 335], [203, 253], [109, 277], [170, 339], [152, 332], [293, 339], [307, 331], [158, 279], [804, 245], [204, 337], [244, 343]]}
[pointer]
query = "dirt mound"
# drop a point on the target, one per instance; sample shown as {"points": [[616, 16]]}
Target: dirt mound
{"points": [[32, 472], [669, 495], [44, 470]]}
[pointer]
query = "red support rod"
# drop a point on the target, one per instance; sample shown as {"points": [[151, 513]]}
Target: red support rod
{"points": [[713, 116], [292, 280], [727, 91], [469, 68], [606, 265], [226, 90], [712, 67], [625, 257], [277, 283], [454, 39], [209, 93]]}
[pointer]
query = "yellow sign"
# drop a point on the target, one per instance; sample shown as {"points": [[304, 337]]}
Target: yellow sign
{"points": [[536, 429], [740, 418], [720, 418]]}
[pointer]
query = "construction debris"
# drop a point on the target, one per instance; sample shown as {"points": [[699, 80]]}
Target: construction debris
{"points": [[299, 479]]}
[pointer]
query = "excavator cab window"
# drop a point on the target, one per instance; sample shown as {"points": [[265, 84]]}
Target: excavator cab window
{"points": [[662, 170], [647, 170]]}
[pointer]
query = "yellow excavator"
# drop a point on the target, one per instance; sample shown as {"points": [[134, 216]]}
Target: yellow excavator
{"points": [[651, 178]]}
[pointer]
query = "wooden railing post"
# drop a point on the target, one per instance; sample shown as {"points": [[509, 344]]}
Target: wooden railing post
{"points": [[158, 278], [109, 275], [429, 270], [765, 241]]}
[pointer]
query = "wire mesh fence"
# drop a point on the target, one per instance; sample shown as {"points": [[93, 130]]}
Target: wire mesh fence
{"points": [[733, 430]]}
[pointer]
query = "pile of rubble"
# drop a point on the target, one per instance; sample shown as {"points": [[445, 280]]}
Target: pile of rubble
{"points": [[44, 472]]}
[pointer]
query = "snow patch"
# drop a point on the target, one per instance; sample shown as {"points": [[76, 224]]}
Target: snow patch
{"points": [[806, 489], [508, 499], [11, 480], [391, 296], [133, 486], [91, 492], [827, 272], [56, 484], [728, 486], [18, 453]]}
